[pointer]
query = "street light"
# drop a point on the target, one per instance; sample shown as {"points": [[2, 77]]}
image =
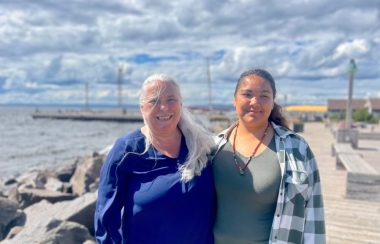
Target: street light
{"points": [[86, 96], [351, 71], [120, 85], [209, 87]]}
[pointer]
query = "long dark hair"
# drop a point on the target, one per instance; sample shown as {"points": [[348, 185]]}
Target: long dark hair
{"points": [[276, 115]]}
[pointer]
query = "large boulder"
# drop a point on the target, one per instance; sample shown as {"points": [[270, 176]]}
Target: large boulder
{"points": [[80, 210], [28, 196], [32, 179], [65, 171], [44, 216], [9, 216], [86, 174], [59, 231], [51, 232], [6, 186]]}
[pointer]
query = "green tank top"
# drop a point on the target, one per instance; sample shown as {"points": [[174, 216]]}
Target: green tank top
{"points": [[245, 203]]}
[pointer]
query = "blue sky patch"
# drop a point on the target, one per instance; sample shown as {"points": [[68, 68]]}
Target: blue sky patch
{"points": [[143, 58]]}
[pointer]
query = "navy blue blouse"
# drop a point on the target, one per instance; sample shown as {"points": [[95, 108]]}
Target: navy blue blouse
{"points": [[142, 200]]}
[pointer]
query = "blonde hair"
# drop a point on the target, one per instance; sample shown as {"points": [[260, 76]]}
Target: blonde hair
{"points": [[198, 140]]}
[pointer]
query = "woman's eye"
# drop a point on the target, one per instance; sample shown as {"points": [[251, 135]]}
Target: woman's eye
{"points": [[171, 100], [152, 101]]}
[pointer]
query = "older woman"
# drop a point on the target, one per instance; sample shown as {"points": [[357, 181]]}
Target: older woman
{"points": [[156, 185], [266, 177]]}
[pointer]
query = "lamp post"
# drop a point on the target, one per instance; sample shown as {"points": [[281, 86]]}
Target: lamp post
{"points": [[120, 85], [209, 87], [86, 96], [351, 72]]}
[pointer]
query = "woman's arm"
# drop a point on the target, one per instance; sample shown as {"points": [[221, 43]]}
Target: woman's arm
{"points": [[314, 213], [110, 201]]}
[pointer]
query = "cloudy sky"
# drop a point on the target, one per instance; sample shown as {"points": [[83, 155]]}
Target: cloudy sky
{"points": [[50, 49]]}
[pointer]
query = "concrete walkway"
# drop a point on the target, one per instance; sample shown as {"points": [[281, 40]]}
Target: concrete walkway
{"points": [[370, 150], [347, 221]]}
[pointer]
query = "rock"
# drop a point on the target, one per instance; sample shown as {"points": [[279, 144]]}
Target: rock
{"points": [[26, 197], [80, 210], [10, 181], [66, 232], [86, 173], [32, 179], [6, 190], [52, 232], [66, 171], [45, 217], [89, 242], [53, 184], [104, 152], [8, 213], [19, 220], [67, 187], [93, 187], [14, 231]]}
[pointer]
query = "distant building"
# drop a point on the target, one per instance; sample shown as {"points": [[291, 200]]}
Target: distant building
{"points": [[373, 105], [305, 112], [338, 106]]}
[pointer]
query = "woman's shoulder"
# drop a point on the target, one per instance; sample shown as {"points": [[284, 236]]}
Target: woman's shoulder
{"points": [[288, 134], [132, 136], [132, 141]]}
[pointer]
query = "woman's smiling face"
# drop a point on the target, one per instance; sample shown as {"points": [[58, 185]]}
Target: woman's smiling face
{"points": [[254, 101], [161, 106]]}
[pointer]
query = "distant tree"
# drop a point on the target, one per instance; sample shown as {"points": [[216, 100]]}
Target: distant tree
{"points": [[337, 116], [362, 115]]}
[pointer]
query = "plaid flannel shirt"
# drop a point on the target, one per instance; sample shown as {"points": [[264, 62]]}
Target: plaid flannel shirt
{"points": [[299, 215]]}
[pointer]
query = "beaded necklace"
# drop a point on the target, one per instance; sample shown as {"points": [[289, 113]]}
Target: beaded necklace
{"points": [[242, 169]]}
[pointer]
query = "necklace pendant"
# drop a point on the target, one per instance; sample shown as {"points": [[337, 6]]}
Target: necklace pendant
{"points": [[241, 171]]}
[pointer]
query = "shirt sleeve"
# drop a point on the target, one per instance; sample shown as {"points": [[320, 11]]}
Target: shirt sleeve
{"points": [[110, 201], [314, 231]]}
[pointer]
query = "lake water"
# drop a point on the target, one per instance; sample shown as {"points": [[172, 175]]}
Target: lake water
{"points": [[27, 143]]}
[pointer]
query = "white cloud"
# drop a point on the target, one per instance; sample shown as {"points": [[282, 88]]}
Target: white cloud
{"points": [[51, 49], [356, 48]]}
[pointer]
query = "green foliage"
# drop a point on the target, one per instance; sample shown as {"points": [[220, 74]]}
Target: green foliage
{"points": [[338, 116], [374, 120], [361, 115]]}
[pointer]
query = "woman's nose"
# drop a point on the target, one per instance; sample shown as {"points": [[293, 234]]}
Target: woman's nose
{"points": [[162, 105], [253, 100]]}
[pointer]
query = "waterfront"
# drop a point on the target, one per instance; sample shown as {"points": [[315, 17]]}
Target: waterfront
{"points": [[26, 143]]}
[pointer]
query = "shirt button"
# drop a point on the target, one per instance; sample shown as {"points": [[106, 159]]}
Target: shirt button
{"points": [[275, 237], [278, 215]]}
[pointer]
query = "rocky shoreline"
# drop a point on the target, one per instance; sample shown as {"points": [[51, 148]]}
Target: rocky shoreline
{"points": [[51, 205]]}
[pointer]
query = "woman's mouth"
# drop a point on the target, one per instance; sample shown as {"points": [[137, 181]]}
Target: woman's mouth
{"points": [[164, 117], [255, 111]]}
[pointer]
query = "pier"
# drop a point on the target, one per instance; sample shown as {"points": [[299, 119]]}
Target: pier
{"points": [[111, 115], [216, 120], [347, 220]]}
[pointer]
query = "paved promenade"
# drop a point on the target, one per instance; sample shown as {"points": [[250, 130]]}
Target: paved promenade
{"points": [[347, 221], [370, 150]]}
